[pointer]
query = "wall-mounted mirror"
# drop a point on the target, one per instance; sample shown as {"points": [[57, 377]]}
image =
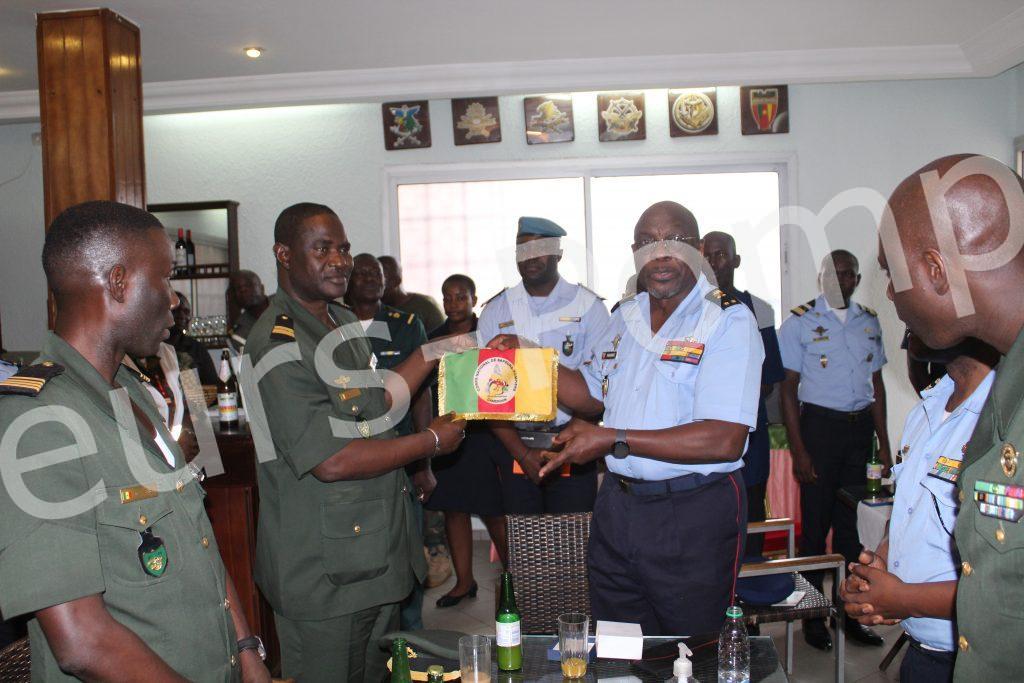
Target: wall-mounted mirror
{"points": [[205, 235]]}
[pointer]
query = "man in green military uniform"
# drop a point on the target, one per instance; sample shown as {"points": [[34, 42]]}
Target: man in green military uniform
{"points": [[404, 336], [944, 303], [104, 535], [338, 548], [245, 290]]}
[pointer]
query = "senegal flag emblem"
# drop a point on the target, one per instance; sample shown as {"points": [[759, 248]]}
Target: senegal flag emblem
{"points": [[485, 384]]}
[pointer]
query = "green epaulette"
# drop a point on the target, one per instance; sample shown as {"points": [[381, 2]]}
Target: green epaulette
{"points": [[30, 380], [719, 297], [284, 329], [802, 308]]}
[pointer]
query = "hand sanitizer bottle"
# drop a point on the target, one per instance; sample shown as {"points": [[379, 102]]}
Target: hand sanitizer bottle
{"points": [[682, 668]]}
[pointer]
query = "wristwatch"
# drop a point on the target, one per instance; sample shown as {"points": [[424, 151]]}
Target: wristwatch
{"points": [[621, 447], [253, 643]]}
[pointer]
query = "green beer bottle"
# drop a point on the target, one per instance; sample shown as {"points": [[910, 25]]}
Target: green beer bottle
{"points": [[507, 627], [435, 673], [400, 662], [874, 481]]}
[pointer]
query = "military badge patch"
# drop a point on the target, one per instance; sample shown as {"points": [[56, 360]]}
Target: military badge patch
{"points": [[548, 119], [621, 117], [152, 553], [406, 124], [683, 351], [999, 501], [692, 112], [946, 469], [568, 345]]}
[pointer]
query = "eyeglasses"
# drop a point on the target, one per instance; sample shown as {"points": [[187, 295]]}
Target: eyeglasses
{"points": [[648, 241]]}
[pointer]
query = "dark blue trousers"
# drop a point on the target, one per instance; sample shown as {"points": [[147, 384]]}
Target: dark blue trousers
{"points": [[926, 666], [667, 561]]}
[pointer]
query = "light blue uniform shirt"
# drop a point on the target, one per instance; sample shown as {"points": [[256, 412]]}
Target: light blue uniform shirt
{"points": [[921, 546], [7, 370], [835, 359], [567, 320], [646, 392]]}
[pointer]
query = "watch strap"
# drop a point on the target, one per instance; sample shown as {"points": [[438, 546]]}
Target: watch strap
{"points": [[251, 643]]}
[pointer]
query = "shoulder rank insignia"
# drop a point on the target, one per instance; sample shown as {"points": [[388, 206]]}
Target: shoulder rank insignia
{"points": [[869, 311], [802, 308], [588, 289], [717, 296], [410, 319], [137, 374], [30, 380], [395, 314], [284, 329]]}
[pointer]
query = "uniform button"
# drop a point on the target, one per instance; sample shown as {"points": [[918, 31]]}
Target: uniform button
{"points": [[896, 563], [966, 566], [143, 520], [179, 487], [234, 661], [405, 489], [205, 542], [1000, 535], [227, 604], [963, 644], [909, 510], [356, 529]]}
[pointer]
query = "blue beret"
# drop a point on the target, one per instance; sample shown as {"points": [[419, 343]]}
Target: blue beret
{"points": [[531, 225]]}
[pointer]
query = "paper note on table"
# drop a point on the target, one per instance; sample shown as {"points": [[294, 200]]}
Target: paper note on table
{"points": [[792, 601]]}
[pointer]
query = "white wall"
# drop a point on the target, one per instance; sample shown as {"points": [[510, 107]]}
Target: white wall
{"points": [[844, 136]]}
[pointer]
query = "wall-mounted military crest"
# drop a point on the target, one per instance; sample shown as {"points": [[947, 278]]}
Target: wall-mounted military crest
{"points": [[548, 119], [620, 116], [406, 124], [693, 111], [764, 109], [476, 120]]}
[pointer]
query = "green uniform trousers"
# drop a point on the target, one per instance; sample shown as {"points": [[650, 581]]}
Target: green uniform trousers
{"points": [[340, 649]]}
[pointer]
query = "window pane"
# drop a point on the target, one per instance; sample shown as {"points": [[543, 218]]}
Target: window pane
{"points": [[470, 228], [745, 205]]}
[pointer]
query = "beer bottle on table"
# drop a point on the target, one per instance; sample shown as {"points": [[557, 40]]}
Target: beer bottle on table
{"points": [[180, 254], [227, 394], [435, 673], [874, 480], [507, 625], [400, 662]]}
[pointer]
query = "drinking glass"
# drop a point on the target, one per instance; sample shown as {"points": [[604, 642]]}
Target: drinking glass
{"points": [[572, 643], [475, 659]]}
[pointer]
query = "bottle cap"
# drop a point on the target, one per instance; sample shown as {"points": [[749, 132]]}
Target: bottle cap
{"points": [[683, 667], [734, 612]]}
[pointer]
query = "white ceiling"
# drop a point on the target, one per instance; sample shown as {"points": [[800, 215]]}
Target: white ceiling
{"points": [[335, 50]]}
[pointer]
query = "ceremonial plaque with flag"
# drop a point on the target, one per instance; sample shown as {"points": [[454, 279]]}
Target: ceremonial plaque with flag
{"points": [[486, 384]]}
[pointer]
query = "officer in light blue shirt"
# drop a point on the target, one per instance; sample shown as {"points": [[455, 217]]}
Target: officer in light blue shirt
{"points": [[917, 565], [7, 370], [833, 404], [548, 311], [677, 374]]}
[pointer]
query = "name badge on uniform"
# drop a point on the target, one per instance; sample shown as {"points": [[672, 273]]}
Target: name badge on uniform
{"points": [[507, 323], [608, 355], [569, 319], [683, 351], [390, 353], [999, 501], [130, 494], [946, 469]]}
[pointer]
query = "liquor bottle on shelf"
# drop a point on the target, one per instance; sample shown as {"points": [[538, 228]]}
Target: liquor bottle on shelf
{"points": [[509, 639], [190, 253], [227, 394], [180, 253]]}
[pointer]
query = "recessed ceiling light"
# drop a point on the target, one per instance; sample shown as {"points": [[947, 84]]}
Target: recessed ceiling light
{"points": [[253, 52]]}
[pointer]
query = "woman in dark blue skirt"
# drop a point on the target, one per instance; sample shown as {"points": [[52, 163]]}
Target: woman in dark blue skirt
{"points": [[467, 480]]}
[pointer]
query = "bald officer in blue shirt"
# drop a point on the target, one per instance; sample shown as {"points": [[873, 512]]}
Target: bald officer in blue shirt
{"points": [[914, 571], [677, 373], [553, 313], [833, 403]]}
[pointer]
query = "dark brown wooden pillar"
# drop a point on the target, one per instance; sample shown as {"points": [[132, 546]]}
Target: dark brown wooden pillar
{"points": [[90, 107]]}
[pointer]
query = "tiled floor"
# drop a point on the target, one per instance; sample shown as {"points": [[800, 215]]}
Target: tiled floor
{"points": [[477, 616]]}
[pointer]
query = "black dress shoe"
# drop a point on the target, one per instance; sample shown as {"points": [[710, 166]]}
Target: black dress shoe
{"points": [[816, 635], [863, 634], [450, 600]]}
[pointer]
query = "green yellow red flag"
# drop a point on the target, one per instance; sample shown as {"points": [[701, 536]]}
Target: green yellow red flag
{"points": [[487, 384]]}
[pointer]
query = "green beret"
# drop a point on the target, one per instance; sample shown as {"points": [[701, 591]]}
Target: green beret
{"points": [[542, 227]]}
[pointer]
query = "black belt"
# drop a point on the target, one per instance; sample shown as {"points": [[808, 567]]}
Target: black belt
{"points": [[687, 482], [938, 654], [842, 415]]}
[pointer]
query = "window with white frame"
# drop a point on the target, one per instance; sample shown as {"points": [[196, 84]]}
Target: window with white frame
{"points": [[446, 221]]}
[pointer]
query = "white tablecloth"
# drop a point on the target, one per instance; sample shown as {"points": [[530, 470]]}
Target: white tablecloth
{"points": [[871, 521]]}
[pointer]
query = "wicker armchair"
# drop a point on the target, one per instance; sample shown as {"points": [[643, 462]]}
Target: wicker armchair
{"points": [[813, 605], [16, 662], [547, 555]]}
